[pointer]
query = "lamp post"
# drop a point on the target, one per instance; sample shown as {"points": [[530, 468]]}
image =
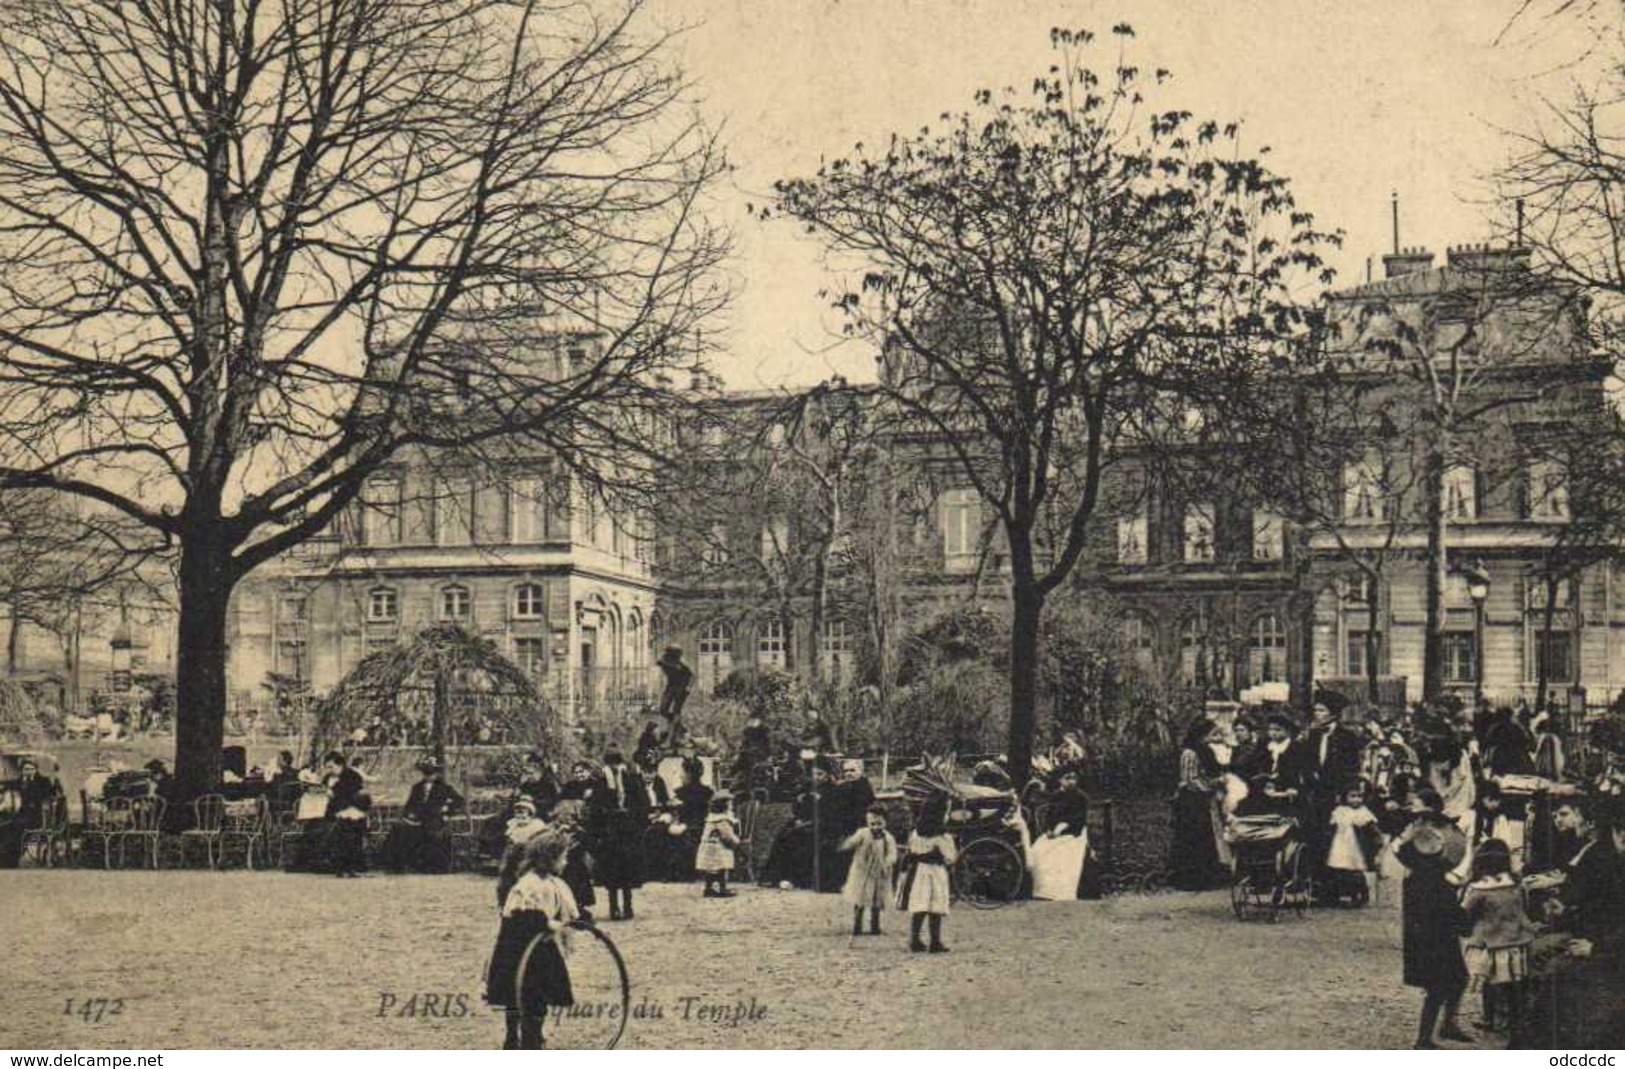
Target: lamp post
{"points": [[1478, 588]]}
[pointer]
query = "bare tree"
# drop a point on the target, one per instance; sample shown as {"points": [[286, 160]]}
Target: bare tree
{"points": [[54, 554], [1047, 274], [253, 250]]}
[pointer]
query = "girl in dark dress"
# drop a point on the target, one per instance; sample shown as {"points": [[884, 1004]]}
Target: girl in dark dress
{"points": [[1433, 920], [535, 917], [1194, 859]]}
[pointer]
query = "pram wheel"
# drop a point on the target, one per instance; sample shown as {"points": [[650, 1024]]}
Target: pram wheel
{"points": [[1239, 891], [988, 873]]}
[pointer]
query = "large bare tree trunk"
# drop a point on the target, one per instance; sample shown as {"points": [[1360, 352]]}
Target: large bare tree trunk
{"points": [[1437, 565], [206, 580], [1028, 608]]}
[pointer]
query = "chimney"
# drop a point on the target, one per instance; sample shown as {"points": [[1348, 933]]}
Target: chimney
{"points": [[1406, 262], [1484, 259]]}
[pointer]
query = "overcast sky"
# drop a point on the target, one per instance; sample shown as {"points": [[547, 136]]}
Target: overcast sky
{"points": [[1355, 100]]}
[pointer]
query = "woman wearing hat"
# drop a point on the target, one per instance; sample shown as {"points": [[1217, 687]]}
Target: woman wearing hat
{"points": [[418, 843], [1433, 920], [1194, 858]]}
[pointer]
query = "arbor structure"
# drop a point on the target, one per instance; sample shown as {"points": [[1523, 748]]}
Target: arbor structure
{"points": [[253, 250], [1048, 274]]}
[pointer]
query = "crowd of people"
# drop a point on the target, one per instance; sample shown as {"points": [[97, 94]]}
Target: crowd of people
{"points": [[1513, 871]]}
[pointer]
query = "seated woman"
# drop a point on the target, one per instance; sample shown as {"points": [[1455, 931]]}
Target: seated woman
{"points": [[1060, 858], [345, 830], [418, 843]]}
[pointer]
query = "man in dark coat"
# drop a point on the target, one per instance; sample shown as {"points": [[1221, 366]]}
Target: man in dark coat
{"points": [[1332, 753], [617, 816], [418, 843]]}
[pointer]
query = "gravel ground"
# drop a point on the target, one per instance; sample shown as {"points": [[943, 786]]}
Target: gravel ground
{"points": [[238, 959]]}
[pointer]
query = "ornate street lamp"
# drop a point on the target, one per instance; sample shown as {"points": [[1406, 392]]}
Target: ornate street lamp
{"points": [[1478, 588]]}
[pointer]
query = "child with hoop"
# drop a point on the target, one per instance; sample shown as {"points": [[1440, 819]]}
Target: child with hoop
{"points": [[528, 973]]}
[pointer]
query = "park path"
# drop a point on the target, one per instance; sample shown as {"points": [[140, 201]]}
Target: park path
{"points": [[238, 959]]}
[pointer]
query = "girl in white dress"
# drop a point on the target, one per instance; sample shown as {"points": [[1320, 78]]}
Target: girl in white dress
{"points": [[924, 890]]}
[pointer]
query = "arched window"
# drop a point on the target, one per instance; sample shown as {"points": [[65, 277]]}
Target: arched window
{"points": [[383, 604], [1195, 659], [716, 654], [529, 601], [770, 643], [1266, 650], [1140, 637], [456, 604], [636, 647]]}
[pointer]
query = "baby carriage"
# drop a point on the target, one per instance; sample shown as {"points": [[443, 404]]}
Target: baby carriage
{"points": [[1269, 873]]}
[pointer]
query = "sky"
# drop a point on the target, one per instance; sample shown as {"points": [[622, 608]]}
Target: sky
{"points": [[1356, 101]]}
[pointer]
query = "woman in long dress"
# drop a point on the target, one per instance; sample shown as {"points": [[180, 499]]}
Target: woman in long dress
{"points": [[1195, 858]]}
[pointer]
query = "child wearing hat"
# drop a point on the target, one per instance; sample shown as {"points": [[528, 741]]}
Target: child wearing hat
{"points": [[1433, 921], [868, 881], [536, 916], [714, 859]]}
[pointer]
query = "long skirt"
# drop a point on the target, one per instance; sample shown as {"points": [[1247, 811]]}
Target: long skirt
{"points": [[546, 980], [1058, 863], [1194, 858], [415, 848]]}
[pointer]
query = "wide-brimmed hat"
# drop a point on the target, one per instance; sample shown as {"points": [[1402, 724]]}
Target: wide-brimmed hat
{"points": [[429, 766], [1442, 841], [524, 804], [723, 795], [1283, 720]]}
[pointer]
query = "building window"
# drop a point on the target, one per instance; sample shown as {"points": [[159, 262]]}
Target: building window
{"points": [[770, 643], [1548, 491], [1269, 536], [527, 511], [381, 511], [1198, 533], [636, 648], [293, 609], [715, 552], [1458, 657], [530, 654], [1553, 652], [454, 513], [455, 604], [837, 652], [1266, 650], [961, 529], [1140, 639], [529, 601], [290, 659], [383, 604], [1132, 539], [1356, 660], [1363, 498], [716, 654], [1460, 492]]}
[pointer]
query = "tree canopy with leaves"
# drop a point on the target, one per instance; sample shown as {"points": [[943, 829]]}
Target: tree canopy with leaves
{"points": [[251, 251], [1054, 275]]}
